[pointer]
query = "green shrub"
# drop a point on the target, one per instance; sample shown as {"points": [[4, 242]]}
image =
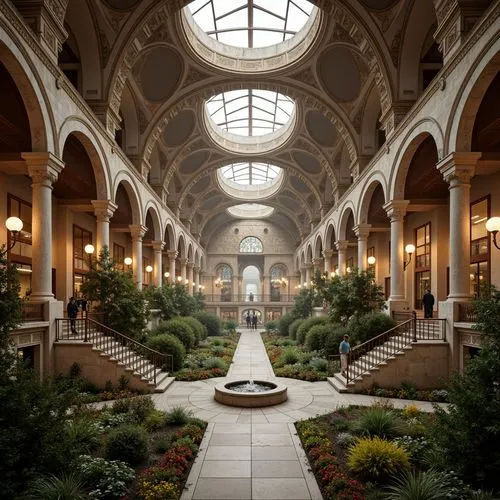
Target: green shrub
{"points": [[230, 325], [316, 336], [161, 445], [379, 422], [83, 435], [179, 416], [375, 459], [198, 329], [319, 364], [294, 326], [155, 420], [284, 324], [182, 330], [214, 363], [368, 326], [271, 326], [105, 479], [290, 356], [140, 408], [66, 487], [333, 339], [211, 323], [308, 324], [418, 486], [128, 443], [168, 344], [218, 349]]}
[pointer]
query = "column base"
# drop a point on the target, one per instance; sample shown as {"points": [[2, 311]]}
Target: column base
{"points": [[396, 304], [459, 297], [42, 297]]}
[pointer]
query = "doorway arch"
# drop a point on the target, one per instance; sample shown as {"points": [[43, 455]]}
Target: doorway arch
{"points": [[251, 284]]}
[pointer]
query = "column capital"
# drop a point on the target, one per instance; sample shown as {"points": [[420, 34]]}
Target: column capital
{"points": [[196, 269], [43, 168], [183, 261], [328, 254], [396, 209], [308, 265], [189, 264], [172, 254], [342, 245], [362, 231], [459, 168], [104, 209], [137, 231], [157, 245]]}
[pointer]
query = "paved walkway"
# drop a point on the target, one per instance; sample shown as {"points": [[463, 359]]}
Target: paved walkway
{"points": [[255, 453]]}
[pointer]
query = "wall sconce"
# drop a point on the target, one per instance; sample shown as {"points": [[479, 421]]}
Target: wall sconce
{"points": [[409, 249], [493, 226], [299, 286], [149, 269], [332, 274], [348, 269], [167, 275], [89, 249], [305, 284], [186, 282], [127, 261], [371, 260], [179, 278], [203, 287], [13, 225]]}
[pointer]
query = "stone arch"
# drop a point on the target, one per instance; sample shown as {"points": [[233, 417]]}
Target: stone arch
{"points": [[376, 179], [347, 209], [93, 147], [309, 253], [369, 125], [404, 155], [130, 123], [181, 246], [29, 86], [169, 236], [330, 235], [152, 210], [124, 178], [469, 98], [190, 252], [318, 247]]}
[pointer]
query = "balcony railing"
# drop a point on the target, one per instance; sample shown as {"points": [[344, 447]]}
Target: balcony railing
{"points": [[281, 298], [32, 311], [466, 312]]}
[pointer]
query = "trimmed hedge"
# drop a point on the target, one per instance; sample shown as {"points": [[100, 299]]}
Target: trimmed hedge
{"points": [[181, 330], [212, 323], [168, 344], [294, 326], [334, 338], [369, 326], [128, 443], [284, 324], [316, 336], [308, 324], [199, 330]]}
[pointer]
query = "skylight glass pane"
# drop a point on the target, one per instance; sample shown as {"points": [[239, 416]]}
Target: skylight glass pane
{"points": [[251, 23], [250, 112], [250, 173]]}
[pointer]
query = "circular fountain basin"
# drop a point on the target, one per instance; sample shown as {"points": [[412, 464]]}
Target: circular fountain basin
{"points": [[263, 394]]}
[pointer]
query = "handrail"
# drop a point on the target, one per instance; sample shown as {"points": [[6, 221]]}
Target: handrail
{"points": [[283, 297], [106, 339]]}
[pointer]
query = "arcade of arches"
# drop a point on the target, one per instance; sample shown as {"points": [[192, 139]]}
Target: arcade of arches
{"points": [[241, 168]]}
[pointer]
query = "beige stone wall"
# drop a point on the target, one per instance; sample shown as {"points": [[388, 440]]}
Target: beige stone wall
{"points": [[424, 364], [95, 367]]}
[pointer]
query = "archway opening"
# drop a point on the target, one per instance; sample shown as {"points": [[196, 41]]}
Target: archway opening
{"points": [[251, 284]]}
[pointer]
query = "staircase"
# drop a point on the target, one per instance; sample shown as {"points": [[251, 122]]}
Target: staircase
{"points": [[148, 367], [367, 359]]}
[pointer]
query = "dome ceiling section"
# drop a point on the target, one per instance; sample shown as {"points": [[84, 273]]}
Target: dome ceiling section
{"points": [[321, 129], [179, 129], [250, 211], [379, 4], [158, 73]]}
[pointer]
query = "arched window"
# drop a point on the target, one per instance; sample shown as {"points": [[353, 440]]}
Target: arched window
{"points": [[277, 275], [224, 282], [251, 244], [225, 273]]}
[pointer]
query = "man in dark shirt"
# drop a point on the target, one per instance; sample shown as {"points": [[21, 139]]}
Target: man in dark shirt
{"points": [[72, 310], [428, 303]]}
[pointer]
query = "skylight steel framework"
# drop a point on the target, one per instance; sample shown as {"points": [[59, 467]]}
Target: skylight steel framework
{"points": [[250, 173], [250, 112], [251, 23]]}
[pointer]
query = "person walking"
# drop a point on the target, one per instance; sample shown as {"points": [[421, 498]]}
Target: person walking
{"points": [[254, 322], [72, 310], [344, 349], [428, 303], [249, 321]]}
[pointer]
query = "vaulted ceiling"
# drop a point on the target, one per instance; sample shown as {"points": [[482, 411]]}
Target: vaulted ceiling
{"points": [[342, 77]]}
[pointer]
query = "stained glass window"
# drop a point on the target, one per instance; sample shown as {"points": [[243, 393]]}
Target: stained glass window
{"points": [[251, 244]]}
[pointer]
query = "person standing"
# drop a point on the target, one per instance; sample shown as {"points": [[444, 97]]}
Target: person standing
{"points": [[428, 303], [254, 322], [344, 349], [72, 310], [248, 320]]}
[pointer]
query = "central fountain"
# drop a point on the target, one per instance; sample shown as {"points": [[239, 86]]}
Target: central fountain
{"points": [[250, 393]]}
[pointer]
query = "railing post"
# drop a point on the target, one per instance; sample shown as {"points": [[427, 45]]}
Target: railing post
{"points": [[85, 338], [414, 324]]}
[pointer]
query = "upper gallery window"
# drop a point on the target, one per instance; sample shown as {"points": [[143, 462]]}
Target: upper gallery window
{"points": [[251, 23], [251, 244], [250, 112]]}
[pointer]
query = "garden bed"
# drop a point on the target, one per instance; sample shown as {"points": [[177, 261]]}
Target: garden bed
{"points": [[294, 361], [211, 358], [407, 390]]}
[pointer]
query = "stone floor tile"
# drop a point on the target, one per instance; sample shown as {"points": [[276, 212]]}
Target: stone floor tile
{"points": [[230, 440], [228, 453], [277, 468], [269, 428], [279, 489], [232, 429], [223, 489], [273, 453], [227, 468], [271, 439]]}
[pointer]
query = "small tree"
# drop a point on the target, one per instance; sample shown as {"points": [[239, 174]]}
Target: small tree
{"points": [[173, 300], [469, 431], [124, 307], [303, 304], [10, 303], [354, 294]]}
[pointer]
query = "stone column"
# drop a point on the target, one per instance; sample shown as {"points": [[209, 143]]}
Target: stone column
{"points": [[183, 270], [308, 267], [190, 277], [103, 210], [137, 232], [196, 270], [341, 248], [396, 211], [362, 231], [317, 265], [43, 168], [457, 170], [328, 254], [158, 262], [172, 255]]}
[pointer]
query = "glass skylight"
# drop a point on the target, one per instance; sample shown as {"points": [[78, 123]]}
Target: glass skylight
{"points": [[251, 23], [250, 112], [250, 211], [250, 173]]}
